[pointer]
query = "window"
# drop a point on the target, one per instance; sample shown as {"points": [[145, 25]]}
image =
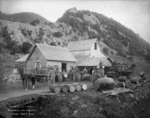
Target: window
{"points": [[95, 46]]}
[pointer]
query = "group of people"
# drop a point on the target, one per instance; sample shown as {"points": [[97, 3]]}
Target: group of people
{"points": [[54, 71], [96, 72]]}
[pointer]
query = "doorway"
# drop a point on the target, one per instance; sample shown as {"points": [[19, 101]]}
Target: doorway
{"points": [[64, 67]]}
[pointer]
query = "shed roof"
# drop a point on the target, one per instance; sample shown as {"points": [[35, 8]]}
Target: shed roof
{"points": [[23, 58], [81, 45], [95, 62], [55, 53]]}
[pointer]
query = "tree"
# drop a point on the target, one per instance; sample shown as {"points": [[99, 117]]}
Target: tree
{"points": [[106, 50], [53, 43], [7, 38], [1, 47], [41, 33], [26, 47], [35, 22], [147, 57], [15, 49], [57, 34]]}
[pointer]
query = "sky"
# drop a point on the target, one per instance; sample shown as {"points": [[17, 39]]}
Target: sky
{"points": [[134, 14]]}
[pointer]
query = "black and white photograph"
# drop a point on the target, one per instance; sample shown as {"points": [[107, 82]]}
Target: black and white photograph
{"points": [[74, 58]]}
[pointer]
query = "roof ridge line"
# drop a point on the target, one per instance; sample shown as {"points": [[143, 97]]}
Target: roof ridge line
{"points": [[51, 45]]}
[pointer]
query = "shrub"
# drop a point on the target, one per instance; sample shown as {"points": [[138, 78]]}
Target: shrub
{"points": [[147, 57], [106, 50], [26, 47], [111, 52], [57, 34], [15, 49], [53, 43], [35, 22], [24, 32], [7, 38]]}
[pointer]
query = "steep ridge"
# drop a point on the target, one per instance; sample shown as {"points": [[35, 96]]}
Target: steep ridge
{"points": [[78, 25], [111, 32]]}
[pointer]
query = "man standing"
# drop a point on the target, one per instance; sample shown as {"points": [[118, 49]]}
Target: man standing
{"points": [[51, 76], [37, 66], [100, 70], [84, 73]]}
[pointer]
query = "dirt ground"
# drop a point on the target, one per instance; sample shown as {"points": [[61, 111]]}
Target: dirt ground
{"points": [[85, 103], [10, 90]]}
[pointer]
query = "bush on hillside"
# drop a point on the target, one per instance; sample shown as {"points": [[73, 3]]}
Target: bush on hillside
{"points": [[24, 32], [41, 32], [8, 43], [106, 50], [35, 22], [26, 47], [147, 57], [15, 49], [53, 43], [57, 34], [1, 48]]}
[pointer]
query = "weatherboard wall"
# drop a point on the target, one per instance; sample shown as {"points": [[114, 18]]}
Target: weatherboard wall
{"points": [[96, 52], [92, 52], [36, 54], [59, 64]]}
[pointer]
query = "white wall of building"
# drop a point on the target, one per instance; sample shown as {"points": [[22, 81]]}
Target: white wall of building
{"points": [[59, 64], [96, 52]]}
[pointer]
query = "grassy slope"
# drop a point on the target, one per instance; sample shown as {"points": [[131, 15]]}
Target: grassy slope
{"points": [[7, 63], [23, 17]]}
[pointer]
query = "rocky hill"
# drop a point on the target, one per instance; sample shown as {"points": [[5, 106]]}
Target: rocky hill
{"points": [[77, 25], [115, 35]]}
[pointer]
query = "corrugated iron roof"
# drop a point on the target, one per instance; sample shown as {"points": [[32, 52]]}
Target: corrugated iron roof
{"points": [[56, 53], [81, 45], [23, 58], [95, 62]]}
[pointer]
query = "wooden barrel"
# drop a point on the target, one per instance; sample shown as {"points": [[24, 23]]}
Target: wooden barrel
{"points": [[104, 84], [77, 86], [59, 77], [83, 87], [77, 77], [73, 78], [71, 88], [65, 88], [55, 89]]}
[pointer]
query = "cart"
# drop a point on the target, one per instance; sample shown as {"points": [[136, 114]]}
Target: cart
{"points": [[40, 74]]}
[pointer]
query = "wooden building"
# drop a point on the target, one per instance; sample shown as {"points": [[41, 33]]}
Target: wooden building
{"points": [[51, 56], [88, 53], [22, 62]]}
